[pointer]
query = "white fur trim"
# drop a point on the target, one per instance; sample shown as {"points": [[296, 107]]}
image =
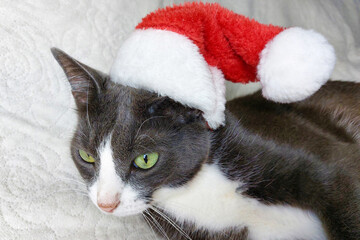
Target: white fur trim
{"points": [[217, 115], [171, 65], [295, 64]]}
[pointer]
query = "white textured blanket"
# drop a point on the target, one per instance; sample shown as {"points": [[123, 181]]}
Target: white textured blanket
{"points": [[41, 193]]}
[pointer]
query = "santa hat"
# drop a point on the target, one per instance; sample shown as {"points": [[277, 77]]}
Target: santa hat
{"points": [[186, 52]]}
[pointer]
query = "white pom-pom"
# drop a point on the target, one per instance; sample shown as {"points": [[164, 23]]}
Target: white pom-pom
{"points": [[294, 65]]}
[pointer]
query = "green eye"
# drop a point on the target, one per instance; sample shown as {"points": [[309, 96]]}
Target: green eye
{"points": [[86, 157], [146, 161]]}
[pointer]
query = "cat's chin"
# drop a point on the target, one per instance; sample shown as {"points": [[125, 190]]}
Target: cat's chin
{"points": [[119, 212]]}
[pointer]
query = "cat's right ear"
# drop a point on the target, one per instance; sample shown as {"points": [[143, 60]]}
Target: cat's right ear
{"points": [[86, 83]]}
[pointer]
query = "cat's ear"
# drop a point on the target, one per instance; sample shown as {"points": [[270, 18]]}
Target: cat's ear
{"points": [[164, 106], [86, 83]]}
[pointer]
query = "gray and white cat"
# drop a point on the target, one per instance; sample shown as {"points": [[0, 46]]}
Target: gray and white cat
{"points": [[274, 171]]}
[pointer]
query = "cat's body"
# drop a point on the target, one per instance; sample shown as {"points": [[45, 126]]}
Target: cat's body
{"points": [[273, 171], [289, 149]]}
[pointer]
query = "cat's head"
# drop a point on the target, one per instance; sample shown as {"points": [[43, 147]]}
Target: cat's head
{"points": [[130, 143]]}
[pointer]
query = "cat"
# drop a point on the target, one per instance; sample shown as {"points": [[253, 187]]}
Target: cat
{"points": [[274, 171]]}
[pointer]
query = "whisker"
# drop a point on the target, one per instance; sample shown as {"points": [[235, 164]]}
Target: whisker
{"points": [[145, 135], [87, 106], [158, 224], [150, 225], [72, 180], [69, 190], [137, 132], [172, 222], [180, 206]]}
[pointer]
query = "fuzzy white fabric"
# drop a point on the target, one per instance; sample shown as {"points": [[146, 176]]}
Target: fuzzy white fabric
{"points": [[294, 65], [41, 195], [170, 64]]}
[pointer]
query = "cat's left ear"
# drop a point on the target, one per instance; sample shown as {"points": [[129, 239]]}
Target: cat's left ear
{"points": [[86, 83]]}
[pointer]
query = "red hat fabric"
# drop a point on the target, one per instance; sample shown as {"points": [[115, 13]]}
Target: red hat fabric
{"points": [[186, 52], [228, 41]]}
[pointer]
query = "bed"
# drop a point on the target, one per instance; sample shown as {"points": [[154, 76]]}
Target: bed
{"points": [[41, 193]]}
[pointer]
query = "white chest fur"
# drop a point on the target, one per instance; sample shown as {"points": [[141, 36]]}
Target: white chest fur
{"points": [[210, 201]]}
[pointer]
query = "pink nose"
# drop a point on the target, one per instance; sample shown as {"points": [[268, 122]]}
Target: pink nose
{"points": [[109, 206]]}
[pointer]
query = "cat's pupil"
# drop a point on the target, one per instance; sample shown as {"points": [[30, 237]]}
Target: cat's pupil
{"points": [[146, 158]]}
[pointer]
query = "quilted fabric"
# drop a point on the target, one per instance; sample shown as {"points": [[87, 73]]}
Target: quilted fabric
{"points": [[41, 193]]}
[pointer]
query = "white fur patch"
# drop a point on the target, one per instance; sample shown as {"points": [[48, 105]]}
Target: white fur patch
{"points": [[295, 64], [210, 201], [109, 185], [108, 181], [171, 65]]}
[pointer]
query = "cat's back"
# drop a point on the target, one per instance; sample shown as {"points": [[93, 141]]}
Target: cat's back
{"points": [[326, 124]]}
